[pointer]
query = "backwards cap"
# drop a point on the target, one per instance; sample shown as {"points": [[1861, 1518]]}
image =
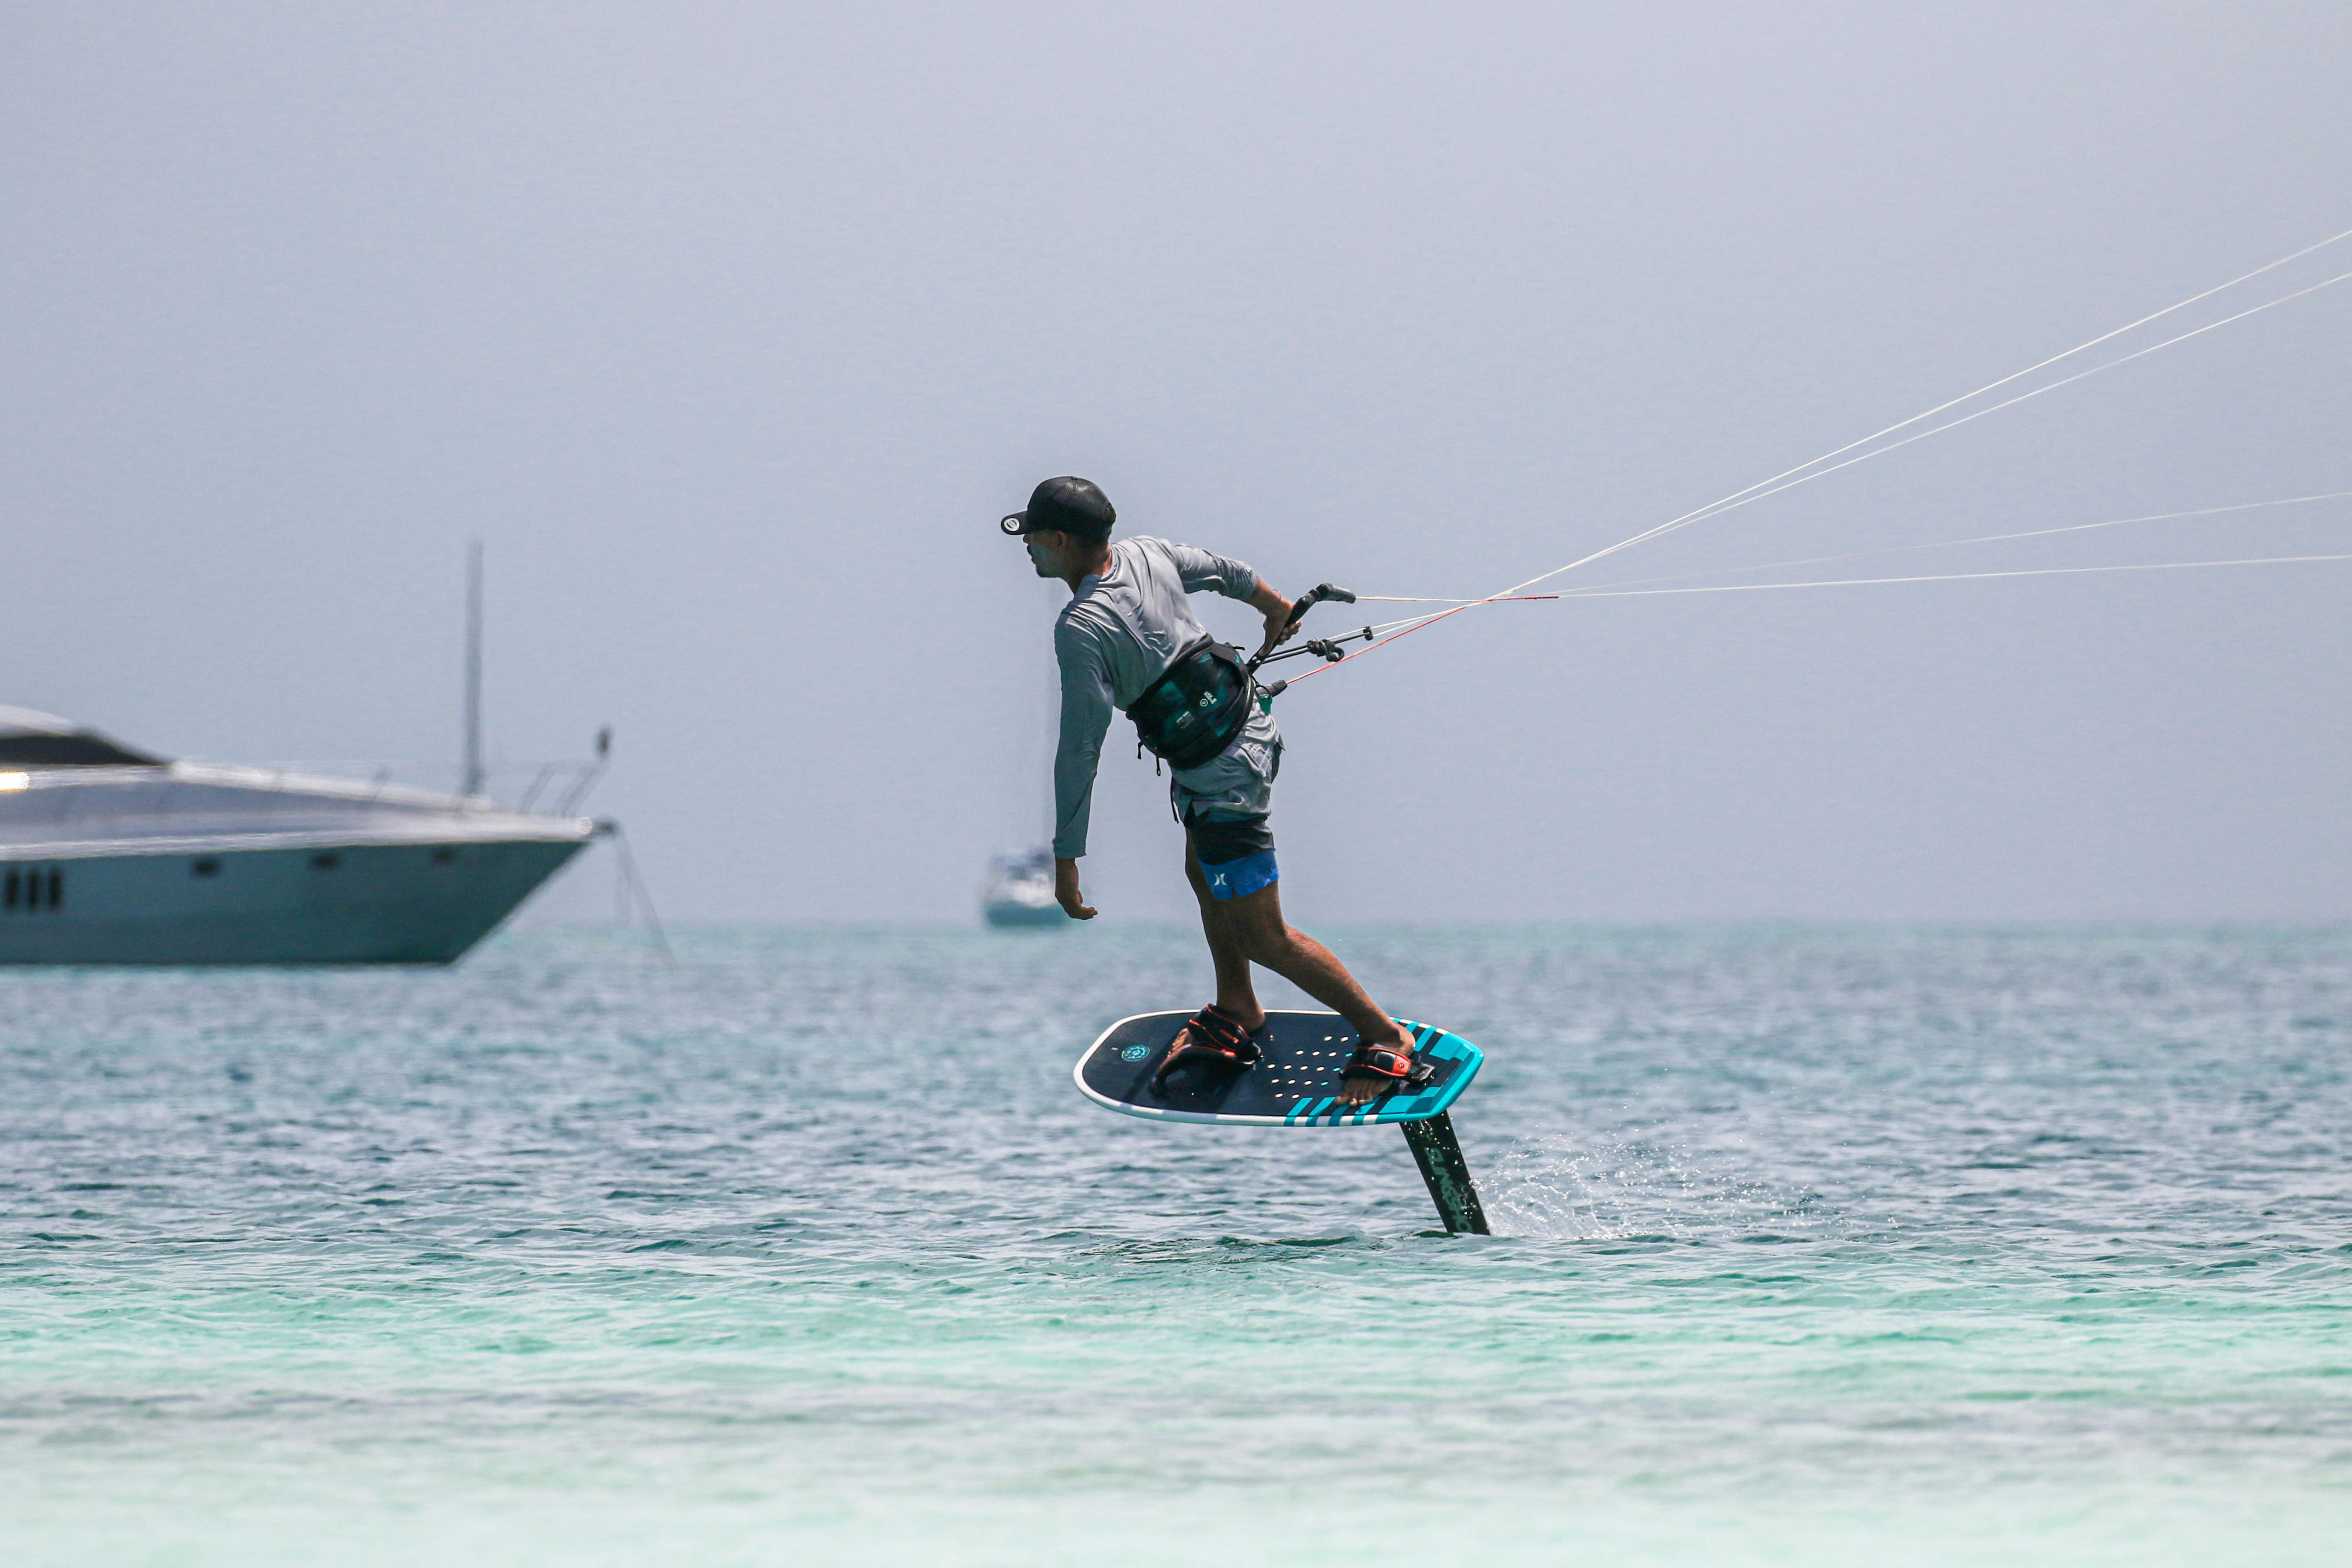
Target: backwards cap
{"points": [[1068, 505]]}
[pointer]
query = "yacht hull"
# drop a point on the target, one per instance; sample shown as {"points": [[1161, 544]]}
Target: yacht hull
{"points": [[417, 903], [1009, 915]]}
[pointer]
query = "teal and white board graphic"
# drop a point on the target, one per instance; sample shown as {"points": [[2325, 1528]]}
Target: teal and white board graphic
{"points": [[1295, 1082]]}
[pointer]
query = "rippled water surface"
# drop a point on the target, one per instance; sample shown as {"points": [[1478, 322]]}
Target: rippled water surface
{"points": [[1867, 1246]]}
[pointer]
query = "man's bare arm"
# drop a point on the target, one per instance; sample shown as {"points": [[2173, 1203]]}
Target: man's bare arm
{"points": [[1276, 611], [1065, 891]]}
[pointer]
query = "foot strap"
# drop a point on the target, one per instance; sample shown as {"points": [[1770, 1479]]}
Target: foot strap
{"points": [[1211, 1037], [1388, 1062]]}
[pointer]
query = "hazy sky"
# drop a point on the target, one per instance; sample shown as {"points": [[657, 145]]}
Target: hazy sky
{"points": [[732, 328]]}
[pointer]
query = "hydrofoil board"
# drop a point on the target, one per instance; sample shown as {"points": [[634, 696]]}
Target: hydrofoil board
{"points": [[1294, 1083]]}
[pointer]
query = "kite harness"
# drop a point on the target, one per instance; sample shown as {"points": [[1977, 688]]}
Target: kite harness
{"points": [[1197, 706]]}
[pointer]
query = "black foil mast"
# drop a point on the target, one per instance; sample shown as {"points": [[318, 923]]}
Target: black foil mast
{"points": [[1438, 1155]]}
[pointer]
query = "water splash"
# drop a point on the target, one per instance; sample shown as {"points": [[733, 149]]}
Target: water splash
{"points": [[1561, 1187]]}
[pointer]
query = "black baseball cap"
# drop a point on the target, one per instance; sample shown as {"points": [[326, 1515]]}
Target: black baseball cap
{"points": [[1068, 505]]}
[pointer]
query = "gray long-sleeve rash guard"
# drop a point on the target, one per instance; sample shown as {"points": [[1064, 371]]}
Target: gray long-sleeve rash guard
{"points": [[1113, 638]]}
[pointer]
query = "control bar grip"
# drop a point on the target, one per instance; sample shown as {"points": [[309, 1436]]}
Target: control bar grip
{"points": [[1315, 595]]}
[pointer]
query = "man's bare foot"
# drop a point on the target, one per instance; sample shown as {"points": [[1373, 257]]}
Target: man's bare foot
{"points": [[1359, 1088], [1227, 1039], [1251, 1022]]}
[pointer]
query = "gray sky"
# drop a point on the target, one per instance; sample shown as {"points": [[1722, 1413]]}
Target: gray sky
{"points": [[732, 329]]}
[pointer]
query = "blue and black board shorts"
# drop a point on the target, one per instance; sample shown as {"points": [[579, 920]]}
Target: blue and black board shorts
{"points": [[1236, 853]]}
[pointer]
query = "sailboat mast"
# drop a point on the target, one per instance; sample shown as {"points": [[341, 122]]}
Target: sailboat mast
{"points": [[473, 669]]}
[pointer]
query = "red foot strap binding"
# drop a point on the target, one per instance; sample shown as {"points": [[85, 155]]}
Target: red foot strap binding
{"points": [[1387, 1061], [1211, 1037]]}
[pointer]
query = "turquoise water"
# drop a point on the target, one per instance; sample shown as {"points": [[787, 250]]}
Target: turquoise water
{"points": [[1819, 1245]]}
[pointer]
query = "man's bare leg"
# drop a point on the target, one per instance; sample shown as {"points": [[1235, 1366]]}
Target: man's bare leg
{"points": [[1235, 995], [1254, 924]]}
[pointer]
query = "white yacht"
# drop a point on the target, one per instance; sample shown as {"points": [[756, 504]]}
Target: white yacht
{"points": [[111, 855], [1020, 892]]}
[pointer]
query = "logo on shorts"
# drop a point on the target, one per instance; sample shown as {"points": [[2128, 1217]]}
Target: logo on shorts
{"points": [[1135, 1053]]}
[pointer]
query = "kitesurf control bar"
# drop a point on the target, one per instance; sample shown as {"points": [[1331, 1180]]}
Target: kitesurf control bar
{"points": [[1322, 648], [1315, 595], [1325, 648]]}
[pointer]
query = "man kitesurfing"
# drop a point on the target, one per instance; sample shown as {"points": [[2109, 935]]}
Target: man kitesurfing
{"points": [[1128, 638]]}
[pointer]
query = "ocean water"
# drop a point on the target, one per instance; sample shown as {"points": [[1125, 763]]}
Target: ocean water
{"points": [[1816, 1245]]}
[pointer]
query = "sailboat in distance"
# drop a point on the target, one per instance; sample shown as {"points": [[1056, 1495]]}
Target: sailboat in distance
{"points": [[1019, 892]]}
